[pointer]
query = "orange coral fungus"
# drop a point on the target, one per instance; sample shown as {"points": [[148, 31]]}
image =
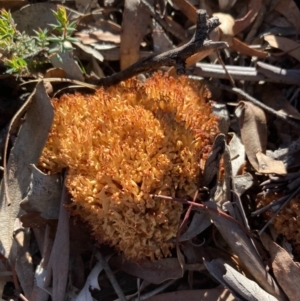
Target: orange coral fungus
{"points": [[287, 222], [123, 144]]}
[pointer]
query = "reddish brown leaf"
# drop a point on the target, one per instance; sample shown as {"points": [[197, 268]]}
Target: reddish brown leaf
{"points": [[243, 48], [244, 22], [286, 271], [254, 136]]}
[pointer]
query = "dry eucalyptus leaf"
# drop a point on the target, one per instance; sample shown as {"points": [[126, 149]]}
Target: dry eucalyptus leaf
{"points": [[90, 284], [152, 271], [228, 29], [23, 263], [269, 165], [199, 223], [136, 21], [242, 246], [27, 150], [286, 271], [243, 23], [290, 10], [44, 194], [215, 294], [242, 183], [284, 44], [239, 285], [253, 127], [66, 61], [58, 265], [237, 153], [243, 48]]}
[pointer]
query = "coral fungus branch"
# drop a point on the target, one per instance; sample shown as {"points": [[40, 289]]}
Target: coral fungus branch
{"points": [[176, 57], [122, 144]]}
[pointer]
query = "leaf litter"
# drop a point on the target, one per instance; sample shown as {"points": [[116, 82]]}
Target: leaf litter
{"points": [[249, 181]]}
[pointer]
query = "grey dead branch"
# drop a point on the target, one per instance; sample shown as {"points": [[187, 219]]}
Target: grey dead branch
{"points": [[219, 237]]}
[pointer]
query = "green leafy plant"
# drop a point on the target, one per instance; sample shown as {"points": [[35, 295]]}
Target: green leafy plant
{"points": [[65, 28], [16, 65], [19, 49]]}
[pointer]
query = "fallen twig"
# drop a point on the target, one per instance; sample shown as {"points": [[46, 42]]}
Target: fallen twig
{"points": [[174, 57], [262, 72]]}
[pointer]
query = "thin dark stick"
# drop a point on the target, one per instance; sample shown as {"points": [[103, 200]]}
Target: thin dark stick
{"points": [[277, 212]]}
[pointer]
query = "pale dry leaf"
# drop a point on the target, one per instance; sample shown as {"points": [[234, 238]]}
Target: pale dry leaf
{"points": [[27, 150], [44, 194], [237, 153], [269, 165], [215, 294], [242, 183], [239, 285], [220, 110], [284, 44], [136, 21], [252, 120], [90, 284], [242, 246], [152, 271], [290, 10], [226, 27], [286, 271]]}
